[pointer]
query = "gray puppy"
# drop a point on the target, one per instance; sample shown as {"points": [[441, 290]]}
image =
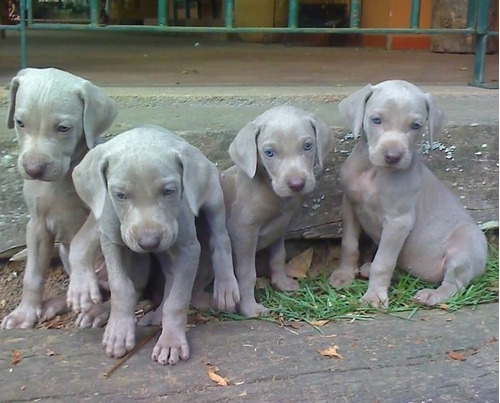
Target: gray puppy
{"points": [[58, 117], [145, 187], [276, 156], [417, 222]]}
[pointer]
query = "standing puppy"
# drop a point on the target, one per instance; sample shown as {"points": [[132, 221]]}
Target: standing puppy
{"points": [[391, 195], [58, 117], [145, 187], [276, 157]]}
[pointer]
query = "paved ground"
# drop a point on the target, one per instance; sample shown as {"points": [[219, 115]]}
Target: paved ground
{"points": [[218, 85]]}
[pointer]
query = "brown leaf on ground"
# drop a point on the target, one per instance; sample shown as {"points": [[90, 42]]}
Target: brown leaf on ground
{"points": [[319, 323], [444, 307], [298, 266], [219, 380], [331, 352], [456, 356], [261, 283], [56, 323], [491, 340], [16, 357]]}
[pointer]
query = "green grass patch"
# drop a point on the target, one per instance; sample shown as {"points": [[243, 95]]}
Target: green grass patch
{"points": [[316, 300]]}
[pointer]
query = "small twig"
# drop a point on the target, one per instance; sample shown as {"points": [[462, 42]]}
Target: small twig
{"points": [[122, 360]]}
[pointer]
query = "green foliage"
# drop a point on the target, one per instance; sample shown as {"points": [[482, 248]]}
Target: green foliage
{"points": [[316, 300]]}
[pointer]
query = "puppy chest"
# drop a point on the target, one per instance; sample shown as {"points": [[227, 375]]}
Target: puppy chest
{"points": [[273, 230]]}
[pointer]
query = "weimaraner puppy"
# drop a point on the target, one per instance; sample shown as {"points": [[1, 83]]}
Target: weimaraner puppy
{"points": [[415, 220], [276, 158], [145, 187], [58, 117]]}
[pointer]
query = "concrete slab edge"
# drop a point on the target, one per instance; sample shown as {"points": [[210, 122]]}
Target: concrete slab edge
{"points": [[239, 95]]}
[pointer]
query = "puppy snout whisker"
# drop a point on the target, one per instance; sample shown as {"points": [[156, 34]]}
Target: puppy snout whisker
{"points": [[149, 239], [392, 157], [296, 184], [35, 169]]}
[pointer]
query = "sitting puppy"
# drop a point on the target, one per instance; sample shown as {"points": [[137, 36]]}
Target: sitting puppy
{"points": [[391, 195], [58, 117], [276, 156], [145, 187]]}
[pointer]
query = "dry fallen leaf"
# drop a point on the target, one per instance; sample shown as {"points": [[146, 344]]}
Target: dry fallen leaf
{"points": [[261, 283], [298, 266], [16, 357], [491, 340], [319, 323], [456, 356], [331, 352], [219, 380]]}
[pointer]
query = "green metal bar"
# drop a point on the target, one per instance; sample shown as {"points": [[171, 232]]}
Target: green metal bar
{"points": [[229, 13], [481, 41], [471, 13], [265, 30], [162, 12], [354, 14], [94, 12], [29, 7], [415, 14], [293, 13], [22, 31]]}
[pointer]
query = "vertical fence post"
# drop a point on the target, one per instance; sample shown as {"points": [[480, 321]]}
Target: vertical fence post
{"points": [[94, 12], [29, 9], [229, 13], [22, 27], [481, 38], [415, 14], [162, 12], [293, 13], [354, 14], [471, 13]]}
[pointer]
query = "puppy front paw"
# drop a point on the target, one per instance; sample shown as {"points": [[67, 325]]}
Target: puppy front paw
{"points": [[285, 283], [119, 335], [432, 297], [226, 294], [171, 346], [252, 309], [25, 316], [341, 277], [376, 298], [83, 292], [52, 307], [96, 316]]}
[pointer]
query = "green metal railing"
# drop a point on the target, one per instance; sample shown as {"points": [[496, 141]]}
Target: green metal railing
{"points": [[477, 24]]}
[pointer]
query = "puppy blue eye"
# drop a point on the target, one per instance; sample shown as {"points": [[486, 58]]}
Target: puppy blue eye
{"points": [[120, 195], [167, 192], [308, 146], [269, 153], [416, 126], [20, 123], [63, 129], [376, 120]]}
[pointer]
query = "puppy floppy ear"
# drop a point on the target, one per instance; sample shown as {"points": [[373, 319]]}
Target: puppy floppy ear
{"points": [[14, 86], [198, 174], [352, 109], [90, 180], [435, 117], [324, 139], [99, 112], [243, 149]]}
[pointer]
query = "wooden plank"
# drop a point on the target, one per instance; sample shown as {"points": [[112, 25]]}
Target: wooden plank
{"points": [[385, 359]]}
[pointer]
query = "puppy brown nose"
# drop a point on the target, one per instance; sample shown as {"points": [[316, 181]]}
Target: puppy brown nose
{"points": [[393, 157], [34, 169], [296, 184], [149, 240]]}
